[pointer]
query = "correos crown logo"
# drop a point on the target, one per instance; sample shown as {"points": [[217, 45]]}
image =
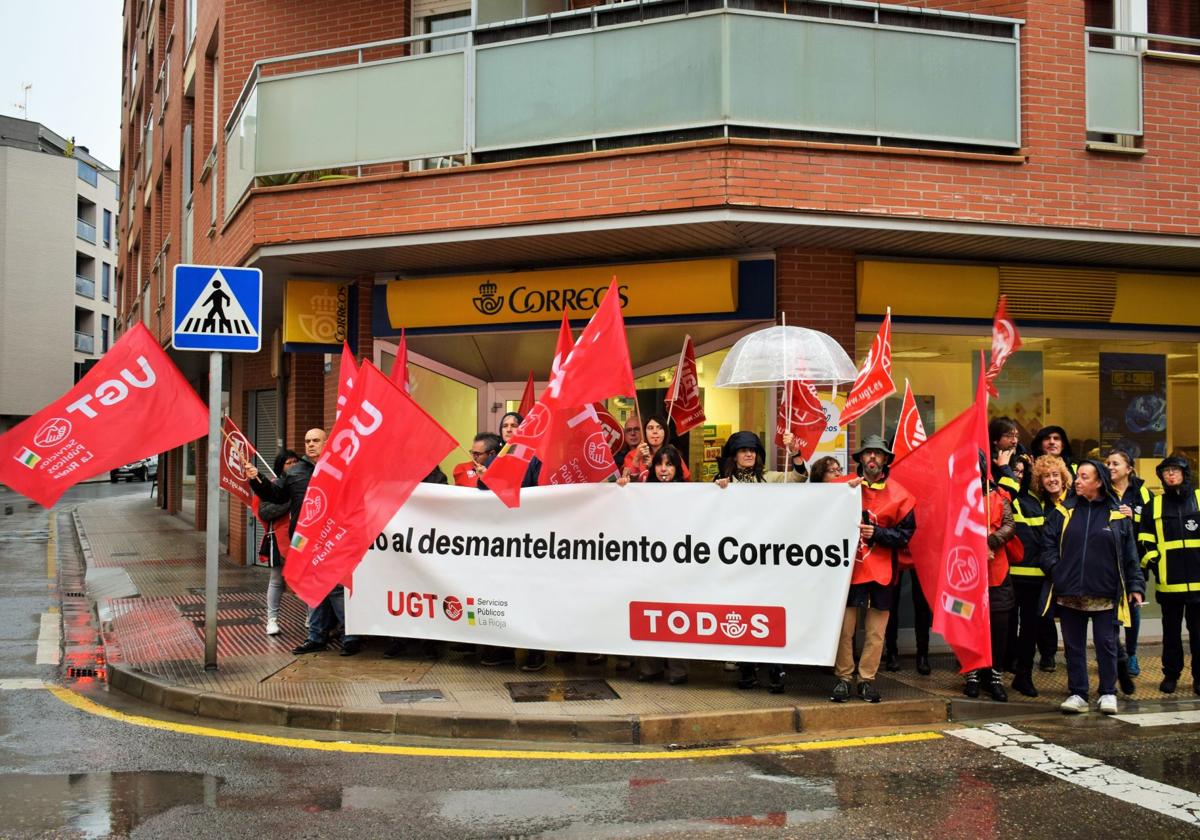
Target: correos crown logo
{"points": [[488, 302]]}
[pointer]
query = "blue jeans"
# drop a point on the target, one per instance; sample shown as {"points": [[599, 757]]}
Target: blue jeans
{"points": [[327, 616], [1104, 637]]}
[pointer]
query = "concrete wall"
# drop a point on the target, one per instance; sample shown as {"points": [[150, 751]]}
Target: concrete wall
{"points": [[37, 285]]}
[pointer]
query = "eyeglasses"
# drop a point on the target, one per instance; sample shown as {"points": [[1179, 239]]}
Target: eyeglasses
{"points": [[475, 454]]}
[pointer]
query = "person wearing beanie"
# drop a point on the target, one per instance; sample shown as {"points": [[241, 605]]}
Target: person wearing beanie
{"points": [[888, 523], [1170, 535]]}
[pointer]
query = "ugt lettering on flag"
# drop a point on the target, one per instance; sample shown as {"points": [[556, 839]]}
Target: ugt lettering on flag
{"points": [[379, 449], [132, 404]]}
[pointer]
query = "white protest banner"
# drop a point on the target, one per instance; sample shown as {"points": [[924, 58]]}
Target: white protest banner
{"points": [[754, 573]]}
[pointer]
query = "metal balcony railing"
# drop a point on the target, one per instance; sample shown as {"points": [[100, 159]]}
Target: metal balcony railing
{"points": [[84, 342], [85, 287], [1114, 77], [86, 173], [604, 76]]}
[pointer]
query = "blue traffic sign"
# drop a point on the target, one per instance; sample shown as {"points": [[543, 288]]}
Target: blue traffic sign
{"points": [[217, 308]]}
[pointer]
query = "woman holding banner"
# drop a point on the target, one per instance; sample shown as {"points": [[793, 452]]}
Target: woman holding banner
{"points": [[1091, 557]]}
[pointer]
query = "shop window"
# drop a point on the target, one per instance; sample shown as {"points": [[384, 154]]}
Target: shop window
{"points": [[726, 410], [1106, 391]]}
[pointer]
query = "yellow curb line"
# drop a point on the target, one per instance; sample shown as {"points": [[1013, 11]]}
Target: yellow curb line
{"points": [[83, 704]]}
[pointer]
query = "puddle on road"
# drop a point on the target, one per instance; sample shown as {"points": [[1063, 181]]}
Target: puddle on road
{"points": [[97, 804]]}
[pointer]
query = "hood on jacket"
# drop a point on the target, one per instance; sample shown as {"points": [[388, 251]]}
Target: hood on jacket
{"points": [[1067, 455], [1106, 490], [1175, 461], [742, 440]]}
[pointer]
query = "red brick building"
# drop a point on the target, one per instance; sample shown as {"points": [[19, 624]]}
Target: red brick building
{"points": [[420, 163]]}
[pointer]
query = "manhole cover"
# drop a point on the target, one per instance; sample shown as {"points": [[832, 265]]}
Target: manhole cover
{"points": [[559, 690], [411, 695]]}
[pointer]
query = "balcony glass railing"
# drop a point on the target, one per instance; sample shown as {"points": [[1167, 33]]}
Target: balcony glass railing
{"points": [[85, 231], [1114, 77], [85, 287], [86, 173], [84, 342], [589, 77]]}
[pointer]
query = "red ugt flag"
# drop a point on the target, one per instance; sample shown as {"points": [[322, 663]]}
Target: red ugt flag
{"points": [[235, 449], [949, 547], [808, 420], [874, 381], [1005, 341], [598, 367], [684, 390], [528, 397], [379, 449], [910, 431], [133, 403]]}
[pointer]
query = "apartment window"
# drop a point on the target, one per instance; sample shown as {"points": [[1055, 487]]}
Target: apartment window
{"points": [[107, 228], [447, 23], [164, 80], [104, 332], [105, 281], [86, 173], [185, 244], [494, 11], [1180, 18], [147, 143]]}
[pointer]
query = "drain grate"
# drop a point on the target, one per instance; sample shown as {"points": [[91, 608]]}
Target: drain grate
{"points": [[240, 621], [226, 590], [32, 536], [411, 695], [74, 594], [560, 690], [125, 554], [77, 673]]}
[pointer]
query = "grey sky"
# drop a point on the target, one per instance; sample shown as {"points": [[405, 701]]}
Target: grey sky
{"points": [[71, 51]]}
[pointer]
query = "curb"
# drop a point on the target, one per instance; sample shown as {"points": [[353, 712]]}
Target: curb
{"points": [[687, 729]]}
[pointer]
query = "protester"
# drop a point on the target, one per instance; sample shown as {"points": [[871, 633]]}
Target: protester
{"points": [[291, 487], [1004, 435], [1027, 627], [743, 462], [637, 462], [1134, 496], [269, 513], [1173, 555], [427, 648], [826, 468], [1001, 600], [1053, 440], [1051, 484], [631, 438], [1091, 557], [666, 467], [888, 524]]}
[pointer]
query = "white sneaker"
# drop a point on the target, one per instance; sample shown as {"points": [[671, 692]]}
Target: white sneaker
{"points": [[1108, 704], [1076, 705], [272, 627]]}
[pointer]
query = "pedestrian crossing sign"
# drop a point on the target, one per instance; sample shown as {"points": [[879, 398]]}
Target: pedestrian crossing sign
{"points": [[217, 308]]}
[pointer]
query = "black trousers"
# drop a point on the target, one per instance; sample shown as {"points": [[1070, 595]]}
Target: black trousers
{"points": [[1174, 613], [1028, 630], [922, 616]]}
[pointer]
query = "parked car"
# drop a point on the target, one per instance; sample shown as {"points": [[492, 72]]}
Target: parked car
{"points": [[141, 470]]}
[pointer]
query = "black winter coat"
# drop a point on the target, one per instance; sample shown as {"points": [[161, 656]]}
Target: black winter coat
{"points": [[1090, 549], [288, 489]]}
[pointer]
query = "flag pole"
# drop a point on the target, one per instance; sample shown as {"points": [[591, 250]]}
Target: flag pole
{"points": [[229, 438], [787, 403]]}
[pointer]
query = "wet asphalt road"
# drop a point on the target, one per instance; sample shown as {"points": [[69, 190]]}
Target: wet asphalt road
{"points": [[65, 773]]}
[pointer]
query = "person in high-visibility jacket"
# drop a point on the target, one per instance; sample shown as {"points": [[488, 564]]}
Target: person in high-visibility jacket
{"points": [[1170, 534], [1134, 496], [1028, 628]]}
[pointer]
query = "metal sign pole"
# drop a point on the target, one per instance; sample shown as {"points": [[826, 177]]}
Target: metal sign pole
{"points": [[212, 520]]}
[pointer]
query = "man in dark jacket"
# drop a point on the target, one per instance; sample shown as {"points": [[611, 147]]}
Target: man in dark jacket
{"points": [[1053, 440], [1170, 533], [290, 488]]}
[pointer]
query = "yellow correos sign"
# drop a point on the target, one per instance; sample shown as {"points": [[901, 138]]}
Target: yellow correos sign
{"points": [[315, 312], [690, 287]]}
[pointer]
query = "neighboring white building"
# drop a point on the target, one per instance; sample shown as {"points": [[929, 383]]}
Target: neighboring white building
{"points": [[58, 257]]}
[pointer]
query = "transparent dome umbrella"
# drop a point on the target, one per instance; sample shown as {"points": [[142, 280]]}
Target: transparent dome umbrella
{"points": [[782, 354]]}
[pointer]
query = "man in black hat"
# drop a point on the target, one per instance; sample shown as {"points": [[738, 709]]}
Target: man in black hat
{"points": [[888, 524], [1170, 536]]}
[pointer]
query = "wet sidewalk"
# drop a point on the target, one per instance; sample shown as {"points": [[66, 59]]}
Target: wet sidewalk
{"points": [[145, 574]]}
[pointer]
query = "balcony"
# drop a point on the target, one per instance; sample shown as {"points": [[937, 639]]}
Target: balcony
{"points": [[638, 73], [85, 287], [1114, 77], [85, 231], [86, 173], [84, 343]]}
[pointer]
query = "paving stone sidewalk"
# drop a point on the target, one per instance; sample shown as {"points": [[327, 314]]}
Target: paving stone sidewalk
{"points": [[145, 573]]}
